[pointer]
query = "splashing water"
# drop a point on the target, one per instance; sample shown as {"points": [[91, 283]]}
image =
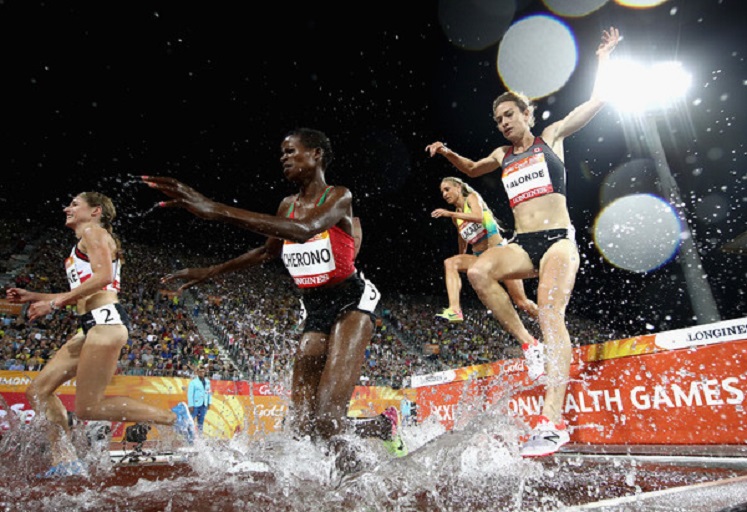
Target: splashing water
{"points": [[443, 470], [474, 466]]}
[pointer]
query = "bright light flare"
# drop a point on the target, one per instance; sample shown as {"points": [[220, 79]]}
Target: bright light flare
{"points": [[635, 87], [640, 4]]}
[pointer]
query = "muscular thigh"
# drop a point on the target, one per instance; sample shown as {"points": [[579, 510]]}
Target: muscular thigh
{"points": [[463, 261], [558, 269], [63, 365], [350, 335], [313, 344], [112, 337], [98, 362], [75, 344], [506, 262]]}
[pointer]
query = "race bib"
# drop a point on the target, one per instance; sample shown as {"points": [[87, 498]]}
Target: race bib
{"points": [[370, 297], [312, 260], [526, 179], [472, 232], [106, 315]]}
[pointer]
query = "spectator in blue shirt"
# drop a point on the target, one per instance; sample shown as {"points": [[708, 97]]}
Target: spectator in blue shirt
{"points": [[199, 397]]}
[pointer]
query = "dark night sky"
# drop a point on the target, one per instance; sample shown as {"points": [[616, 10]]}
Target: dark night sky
{"points": [[96, 93]]}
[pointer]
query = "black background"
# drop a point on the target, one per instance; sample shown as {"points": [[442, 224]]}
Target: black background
{"points": [[98, 93]]}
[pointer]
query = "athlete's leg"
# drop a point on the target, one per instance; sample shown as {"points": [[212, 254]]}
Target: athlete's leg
{"points": [[515, 289], [97, 365], [452, 267], [558, 270], [307, 370], [40, 394], [346, 353], [497, 264]]}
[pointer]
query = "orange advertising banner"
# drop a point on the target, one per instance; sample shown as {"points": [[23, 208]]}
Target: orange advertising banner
{"points": [[256, 408], [679, 387], [9, 308]]}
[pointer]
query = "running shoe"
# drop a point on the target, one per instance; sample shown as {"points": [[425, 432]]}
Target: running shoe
{"points": [[534, 360], [184, 424], [395, 445], [452, 316], [65, 469], [546, 438]]}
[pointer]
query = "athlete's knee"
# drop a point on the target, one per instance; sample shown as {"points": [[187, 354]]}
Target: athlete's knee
{"points": [[451, 264], [478, 277], [33, 394], [526, 305], [38, 391]]}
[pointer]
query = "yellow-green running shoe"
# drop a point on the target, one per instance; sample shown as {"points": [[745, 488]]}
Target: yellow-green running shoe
{"points": [[395, 445], [451, 315]]}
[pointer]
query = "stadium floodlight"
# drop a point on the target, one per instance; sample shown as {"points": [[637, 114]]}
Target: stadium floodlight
{"points": [[642, 94], [634, 88]]}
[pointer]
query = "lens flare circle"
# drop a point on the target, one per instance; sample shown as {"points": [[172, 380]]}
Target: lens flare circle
{"points": [[537, 56], [574, 8], [638, 232]]}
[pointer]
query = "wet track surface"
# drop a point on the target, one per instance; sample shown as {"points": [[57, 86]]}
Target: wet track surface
{"points": [[422, 481]]}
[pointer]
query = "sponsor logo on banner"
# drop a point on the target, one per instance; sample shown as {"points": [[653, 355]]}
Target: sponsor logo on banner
{"points": [[719, 332], [267, 389], [20, 380], [277, 411], [708, 393], [513, 366], [444, 412], [433, 378]]}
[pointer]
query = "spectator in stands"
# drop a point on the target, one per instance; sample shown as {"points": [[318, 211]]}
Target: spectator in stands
{"points": [[199, 397], [15, 365]]}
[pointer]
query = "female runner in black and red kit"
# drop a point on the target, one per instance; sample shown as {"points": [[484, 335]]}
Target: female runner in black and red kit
{"points": [[314, 232]]}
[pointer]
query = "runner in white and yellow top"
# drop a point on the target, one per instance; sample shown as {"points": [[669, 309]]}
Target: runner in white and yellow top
{"points": [[478, 229], [91, 354]]}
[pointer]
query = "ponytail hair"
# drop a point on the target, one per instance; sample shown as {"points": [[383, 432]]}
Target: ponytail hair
{"points": [[467, 190], [108, 214]]}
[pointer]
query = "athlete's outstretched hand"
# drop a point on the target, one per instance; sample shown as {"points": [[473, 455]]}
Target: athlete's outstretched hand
{"points": [[18, 295], [436, 148], [610, 38], [37, 308], [183, 196], [193, 276]]}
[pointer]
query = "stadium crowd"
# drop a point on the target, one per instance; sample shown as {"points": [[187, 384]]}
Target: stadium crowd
{"points": [[240, 326]]}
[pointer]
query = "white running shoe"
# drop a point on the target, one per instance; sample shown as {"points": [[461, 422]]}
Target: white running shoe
{"points": [[546, 438], [534, 360]]}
